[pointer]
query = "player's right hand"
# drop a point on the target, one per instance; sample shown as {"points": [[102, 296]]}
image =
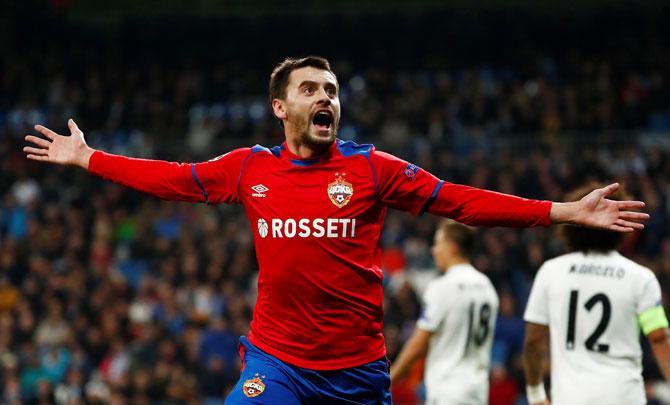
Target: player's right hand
{"points": [[59, 149], [541, 403]]}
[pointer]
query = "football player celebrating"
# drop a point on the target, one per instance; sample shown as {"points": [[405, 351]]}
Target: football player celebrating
{"points": [[318, 204]]}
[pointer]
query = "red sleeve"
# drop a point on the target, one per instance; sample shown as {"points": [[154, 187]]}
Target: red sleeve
{"points": [[407, 187], [220, 177], [401, 185], [477, 207], [173, 181]]}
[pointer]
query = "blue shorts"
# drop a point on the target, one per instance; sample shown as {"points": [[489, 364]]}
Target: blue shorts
{"points": [[267, 380]]}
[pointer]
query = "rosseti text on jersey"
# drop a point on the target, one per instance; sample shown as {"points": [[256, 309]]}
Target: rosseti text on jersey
{"points": [[305, 228]]}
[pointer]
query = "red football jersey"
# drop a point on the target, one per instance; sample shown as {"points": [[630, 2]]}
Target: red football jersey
{"points": [[317, 225]]}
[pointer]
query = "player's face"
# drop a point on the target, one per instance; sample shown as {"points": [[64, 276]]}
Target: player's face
{"points": [[312, 107], [441, 249]]}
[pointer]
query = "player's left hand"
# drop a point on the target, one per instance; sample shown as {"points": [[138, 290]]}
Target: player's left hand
{"points": [[596, 211]]}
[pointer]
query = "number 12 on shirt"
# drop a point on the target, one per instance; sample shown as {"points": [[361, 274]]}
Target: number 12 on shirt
{"points": [[591, 342]]}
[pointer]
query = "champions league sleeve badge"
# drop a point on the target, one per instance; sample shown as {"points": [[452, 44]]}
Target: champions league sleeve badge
{"points": [[254, 387], [411, 170], [340, 191]]}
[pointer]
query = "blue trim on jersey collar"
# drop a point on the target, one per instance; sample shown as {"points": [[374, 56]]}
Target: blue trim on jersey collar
{"points": [[306, 162], [260, 148], [432, 198], [349, 148], [197, 181], [346, 148], [275, 150]]}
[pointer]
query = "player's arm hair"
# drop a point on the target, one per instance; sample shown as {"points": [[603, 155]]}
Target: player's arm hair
{"points": [[415, 348], [535, 348]]}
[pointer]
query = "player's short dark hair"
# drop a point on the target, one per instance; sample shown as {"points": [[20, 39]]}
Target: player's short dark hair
{"points": [[581, 239], [461, 235], [281, 73]]}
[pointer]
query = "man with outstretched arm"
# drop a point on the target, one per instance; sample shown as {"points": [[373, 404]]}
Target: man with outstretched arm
{"points": [[318, 205], [592, 304]]}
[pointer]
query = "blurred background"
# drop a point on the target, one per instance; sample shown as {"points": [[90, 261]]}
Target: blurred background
{"points": [[110, 296]]}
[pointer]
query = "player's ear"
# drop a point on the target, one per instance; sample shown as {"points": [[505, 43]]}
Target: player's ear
{"points": [[279, 109]]}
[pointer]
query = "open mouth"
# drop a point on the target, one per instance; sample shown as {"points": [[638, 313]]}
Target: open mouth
{"points": [[323, 120]]}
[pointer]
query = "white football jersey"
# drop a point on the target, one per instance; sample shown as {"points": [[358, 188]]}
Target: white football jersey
{"points": [[460, 309], [590, 303]]}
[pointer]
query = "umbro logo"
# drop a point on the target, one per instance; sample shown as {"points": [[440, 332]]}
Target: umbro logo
{"points": [[259, 190]]}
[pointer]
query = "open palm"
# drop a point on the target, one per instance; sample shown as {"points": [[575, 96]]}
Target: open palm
{"points": [[59, 149], [596, 211]]}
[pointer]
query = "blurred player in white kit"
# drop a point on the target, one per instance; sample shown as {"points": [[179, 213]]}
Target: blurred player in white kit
{"points": [[456, 327], [591, 304]]}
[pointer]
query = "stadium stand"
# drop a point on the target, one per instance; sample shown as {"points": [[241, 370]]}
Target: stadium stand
{"points": [[111, 296]]}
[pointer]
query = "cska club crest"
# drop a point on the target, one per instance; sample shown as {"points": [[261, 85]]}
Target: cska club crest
{"points": [[253, 387], [340, 191]]}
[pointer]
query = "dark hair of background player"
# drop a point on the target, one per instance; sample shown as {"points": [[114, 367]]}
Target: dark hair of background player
{"points": [[461, 235]]}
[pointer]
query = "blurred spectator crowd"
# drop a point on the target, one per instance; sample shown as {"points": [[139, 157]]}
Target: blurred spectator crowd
{"points": [[109, 296]]}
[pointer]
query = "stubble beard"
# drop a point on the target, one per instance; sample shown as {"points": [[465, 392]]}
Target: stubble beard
{"points": [[305, 132], [310, 139], [319, 142]]}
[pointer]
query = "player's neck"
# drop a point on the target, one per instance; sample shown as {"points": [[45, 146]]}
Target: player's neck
{"points": [[453, 262], [300, 145], [306, 151]]}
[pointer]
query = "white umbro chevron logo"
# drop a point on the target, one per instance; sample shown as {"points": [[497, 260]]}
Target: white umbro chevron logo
{"points": [[259, 190]]}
